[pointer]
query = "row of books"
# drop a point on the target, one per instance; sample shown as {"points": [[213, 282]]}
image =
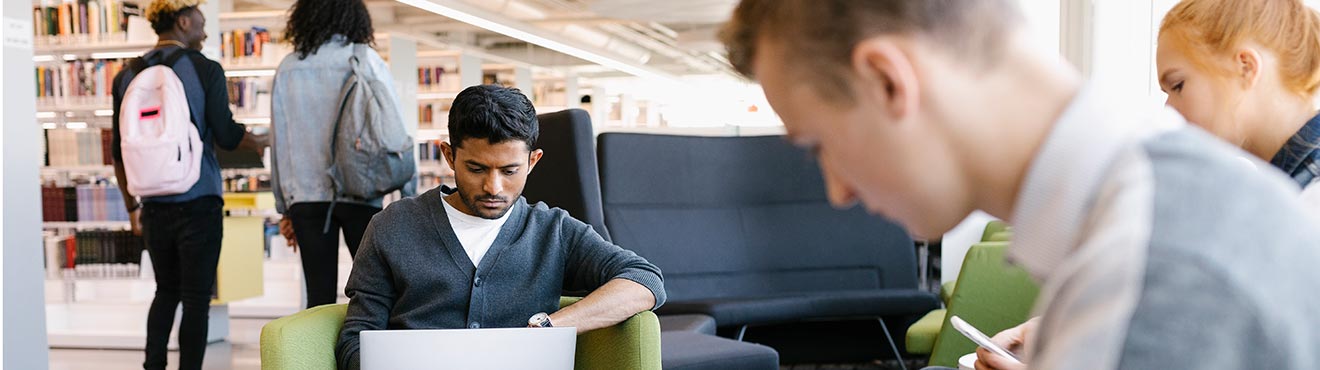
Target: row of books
{"points": [[77, 82], [91, 18], [437, 114], [96, 254], [244, 43], [429, 151], [247, 183], [437, 78], [428, 181], [78, 147], [82, 203], [249, 96]]}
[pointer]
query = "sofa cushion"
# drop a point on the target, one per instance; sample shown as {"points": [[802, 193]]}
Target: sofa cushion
{"points": [[683, 350], [788, 308], [696, 323]]}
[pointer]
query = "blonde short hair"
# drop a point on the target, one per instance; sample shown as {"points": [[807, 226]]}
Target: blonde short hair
{"points": [[158, 9]]}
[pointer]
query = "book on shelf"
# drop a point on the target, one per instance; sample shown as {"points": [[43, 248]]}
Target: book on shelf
{"points": [[82, 203], [250, 96], [83, 20], [78, 147], [77, 82], [101, 254], [437, 78], [242, 43]]}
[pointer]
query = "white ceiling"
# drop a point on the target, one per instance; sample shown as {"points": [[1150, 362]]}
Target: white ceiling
{"points": [[665, 11], [674, 36]]}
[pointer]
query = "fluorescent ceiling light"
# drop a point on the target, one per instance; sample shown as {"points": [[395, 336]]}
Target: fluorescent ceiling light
{"points": [[251, 73], [43, 58], [75, 125], [471, 15], [49, 125], [103, 112], [70, 57], [45, 114]]}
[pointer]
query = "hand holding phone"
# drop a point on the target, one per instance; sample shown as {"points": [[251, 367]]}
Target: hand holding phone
{"points": [[981, 339]]}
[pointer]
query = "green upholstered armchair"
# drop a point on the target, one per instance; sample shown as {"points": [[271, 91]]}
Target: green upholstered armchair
{"points": [[306, 340], [990, 295]]}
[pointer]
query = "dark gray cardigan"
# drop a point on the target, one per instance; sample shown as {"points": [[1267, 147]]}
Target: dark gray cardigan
{"points": [[411, 272]]}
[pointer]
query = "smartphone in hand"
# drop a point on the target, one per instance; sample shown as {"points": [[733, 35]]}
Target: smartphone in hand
{"points": [[981, 339]]}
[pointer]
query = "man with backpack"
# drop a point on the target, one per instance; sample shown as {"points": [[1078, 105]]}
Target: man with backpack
{"points": [[171, 108]]}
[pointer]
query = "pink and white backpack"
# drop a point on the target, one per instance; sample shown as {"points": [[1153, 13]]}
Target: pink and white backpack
{"points": [[162, 150]]}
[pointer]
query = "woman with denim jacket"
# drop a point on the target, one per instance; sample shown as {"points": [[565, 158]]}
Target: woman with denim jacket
{"points": [[1248, 72], [305, 102]]}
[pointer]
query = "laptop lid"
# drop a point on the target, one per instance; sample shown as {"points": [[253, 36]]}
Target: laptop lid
{"points": [[511, 348]]}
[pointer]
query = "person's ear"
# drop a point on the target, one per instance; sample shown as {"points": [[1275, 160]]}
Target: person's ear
{"points": [[533, 158], [1248, 64], [885, 76], [182, 23], [448, 152]]}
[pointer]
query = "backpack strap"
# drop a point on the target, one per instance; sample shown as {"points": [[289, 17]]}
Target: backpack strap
{"points": [[354, 61]]}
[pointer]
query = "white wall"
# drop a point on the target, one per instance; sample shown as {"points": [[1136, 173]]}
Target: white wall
{"points": [[24, 296]]}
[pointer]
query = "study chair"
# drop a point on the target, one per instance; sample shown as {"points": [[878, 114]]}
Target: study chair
{"points": [[567, 178], [988, 293], [306, 341], [744, 233]]}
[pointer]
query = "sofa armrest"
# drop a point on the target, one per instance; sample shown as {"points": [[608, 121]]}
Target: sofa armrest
{"points": [[632, 344], [305, 340]]}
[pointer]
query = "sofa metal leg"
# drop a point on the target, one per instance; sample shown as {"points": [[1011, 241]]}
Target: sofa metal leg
{"points": [[892, 345]]}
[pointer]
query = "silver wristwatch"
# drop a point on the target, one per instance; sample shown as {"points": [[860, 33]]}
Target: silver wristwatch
{"points": [[540, 320]]}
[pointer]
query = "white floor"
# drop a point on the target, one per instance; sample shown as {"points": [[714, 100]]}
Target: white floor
{"points": [[240, 352]]}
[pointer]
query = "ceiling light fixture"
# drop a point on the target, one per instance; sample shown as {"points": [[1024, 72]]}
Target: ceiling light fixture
{"points": [[467, 13]]}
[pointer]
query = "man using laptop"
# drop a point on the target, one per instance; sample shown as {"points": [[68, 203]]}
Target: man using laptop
{"points": [[1157, 249], [479, 256]]}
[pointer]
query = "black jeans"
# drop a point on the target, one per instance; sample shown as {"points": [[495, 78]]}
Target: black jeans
{"points": [[319, 250], [184, 242]]}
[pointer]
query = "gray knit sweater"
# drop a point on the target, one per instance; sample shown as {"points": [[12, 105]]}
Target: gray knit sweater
{"points": [[411, 272]]}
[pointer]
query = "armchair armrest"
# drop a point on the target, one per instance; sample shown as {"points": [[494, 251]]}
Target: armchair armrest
{"points": [[632, 344]]}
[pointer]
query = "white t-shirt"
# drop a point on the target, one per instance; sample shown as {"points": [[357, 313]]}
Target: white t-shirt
{"points": [[476, 234]]}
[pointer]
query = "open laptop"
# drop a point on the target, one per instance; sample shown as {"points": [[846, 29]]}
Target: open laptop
{"points": [[513, 348]]}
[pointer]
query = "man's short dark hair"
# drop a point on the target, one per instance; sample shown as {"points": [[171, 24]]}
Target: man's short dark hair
{"points": [[165, 21], [823, 33], [495, 113]]}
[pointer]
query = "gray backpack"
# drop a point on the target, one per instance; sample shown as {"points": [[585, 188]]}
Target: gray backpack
{"points": [[371, 153]]}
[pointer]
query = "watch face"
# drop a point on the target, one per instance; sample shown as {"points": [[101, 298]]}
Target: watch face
{"points": [[539, 320]]}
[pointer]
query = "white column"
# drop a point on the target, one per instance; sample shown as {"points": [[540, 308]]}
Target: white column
{"points": [[522, 79], [628, 110], [211, 47], [572, 98], [403, 66], [23, 300], [600, 106], [469, 71]]}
